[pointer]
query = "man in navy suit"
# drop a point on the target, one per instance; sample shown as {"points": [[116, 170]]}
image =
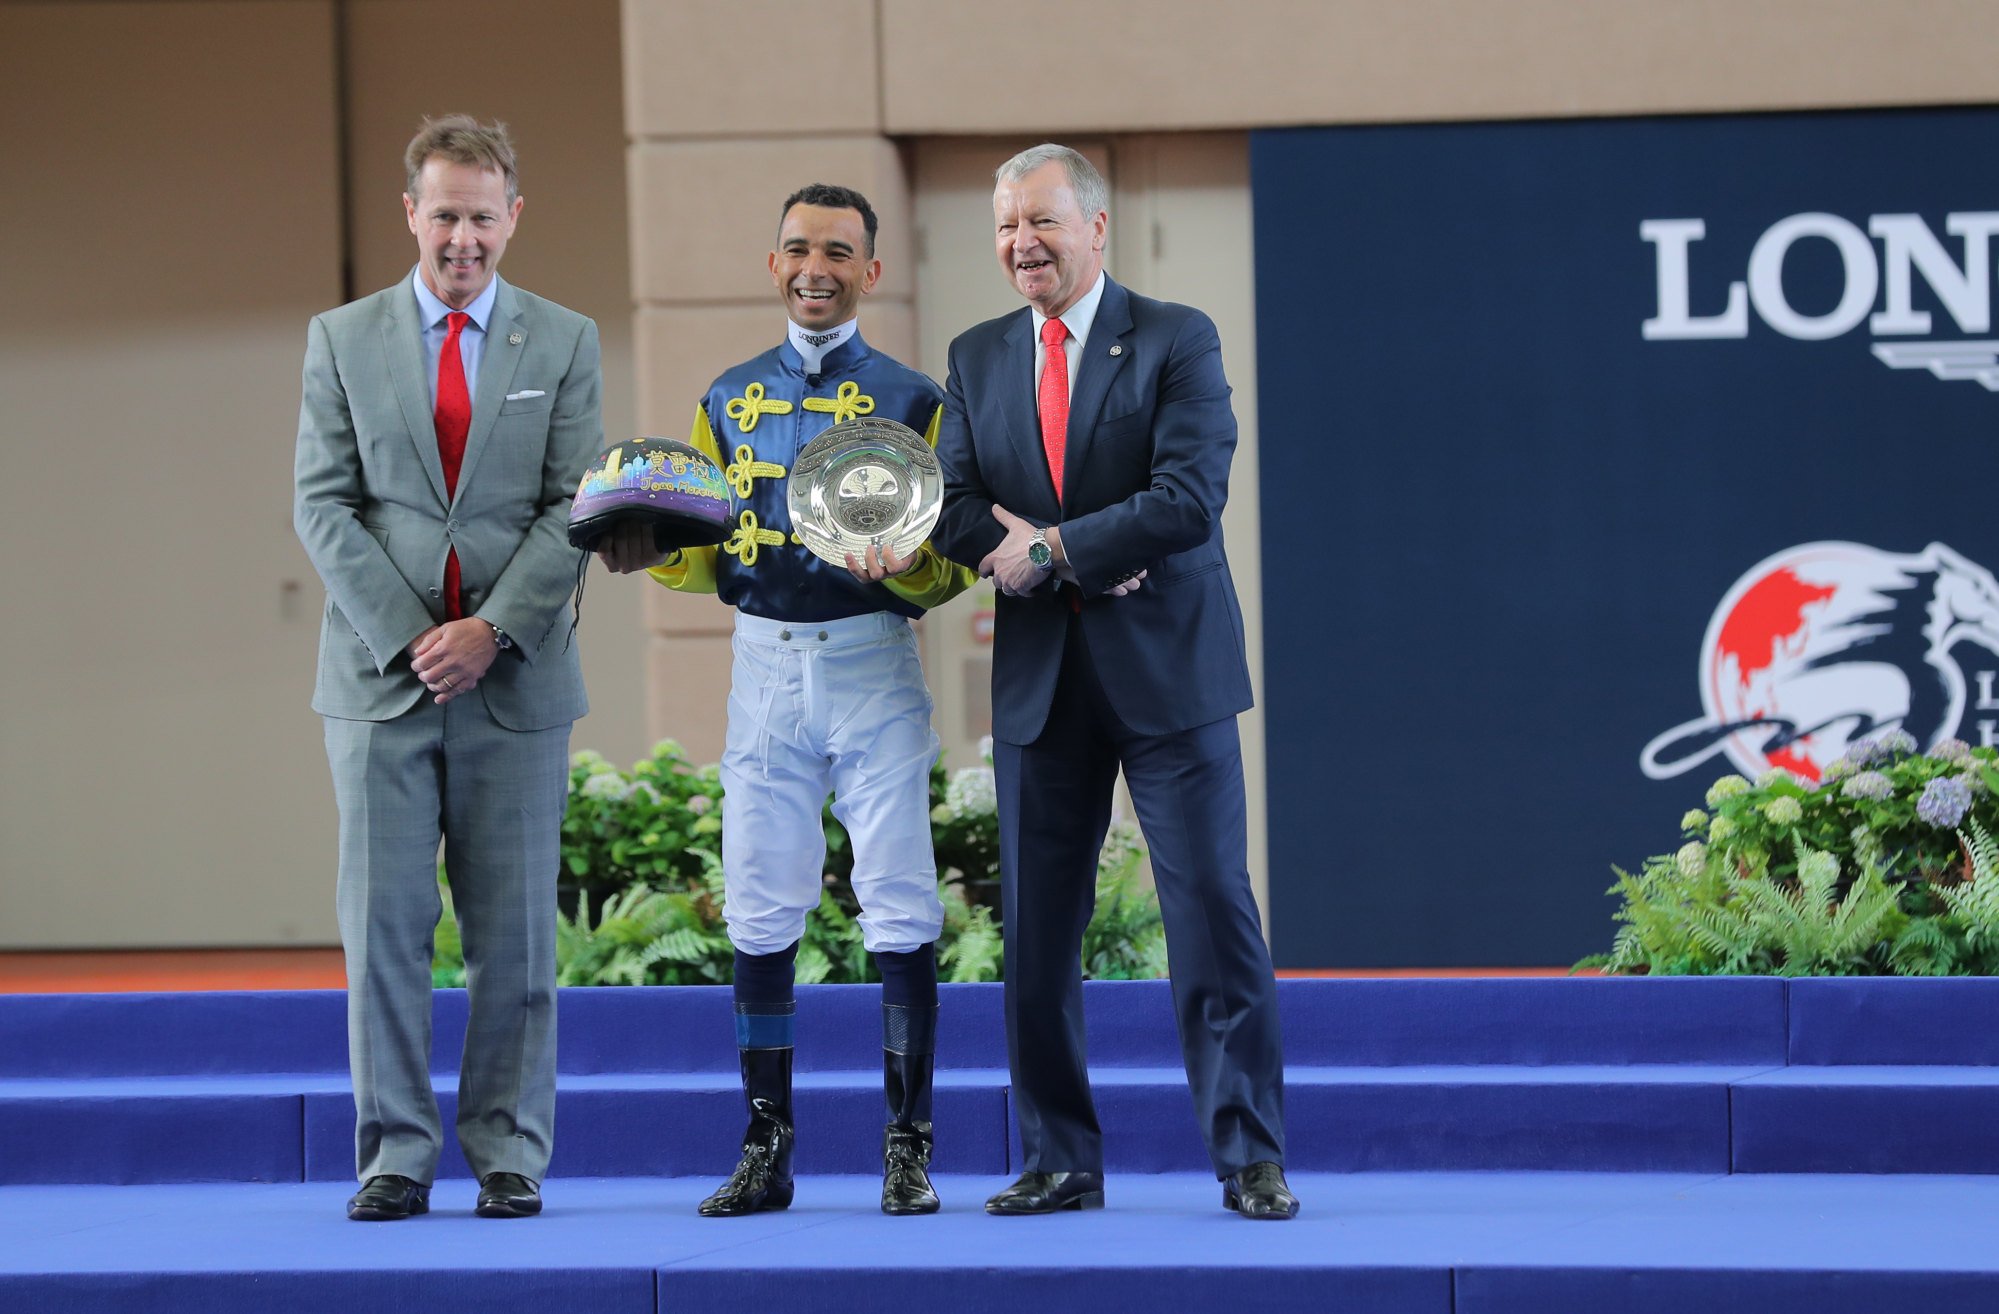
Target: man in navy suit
{"points": [[1086, 445]]}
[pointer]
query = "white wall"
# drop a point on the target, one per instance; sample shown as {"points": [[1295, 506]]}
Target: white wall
{"points": [[171, 216]]}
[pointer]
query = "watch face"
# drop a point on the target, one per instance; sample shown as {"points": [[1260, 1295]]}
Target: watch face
{"points": [[1039, 555]]}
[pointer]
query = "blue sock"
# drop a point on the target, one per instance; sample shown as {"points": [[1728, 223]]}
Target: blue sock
{"points": [[909, 979], [765, 1001]]}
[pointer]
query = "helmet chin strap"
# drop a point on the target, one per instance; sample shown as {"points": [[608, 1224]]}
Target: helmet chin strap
{"points": [[576, 602]]}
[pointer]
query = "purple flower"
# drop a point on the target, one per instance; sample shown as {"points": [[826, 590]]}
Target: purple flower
{"points": [[1880, 748], [1944, 802], [1867, 784], [1860, 753], [1954, 751]]}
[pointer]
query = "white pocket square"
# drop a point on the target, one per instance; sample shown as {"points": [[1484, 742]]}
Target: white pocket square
{"points": [[524, 395]]}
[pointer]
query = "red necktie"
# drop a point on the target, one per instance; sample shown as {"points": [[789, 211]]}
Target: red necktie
{"points": [[453, 420], [1053, 399]]}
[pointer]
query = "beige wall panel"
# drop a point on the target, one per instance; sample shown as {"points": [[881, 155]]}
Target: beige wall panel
{"points": [[552, 73], [681, 350], [1171, 64], [696, 68], [890, 326], [170, 222], [683, 614], [687, 692], [705, 212]]}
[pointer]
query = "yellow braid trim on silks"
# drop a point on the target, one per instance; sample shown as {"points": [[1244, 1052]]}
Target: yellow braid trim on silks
{"points": [[748, 539], [744, 472], [846, 404], [752, 406]]}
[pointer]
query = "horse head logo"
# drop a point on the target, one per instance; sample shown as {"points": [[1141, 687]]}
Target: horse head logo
{"points": [[1828, 643]]}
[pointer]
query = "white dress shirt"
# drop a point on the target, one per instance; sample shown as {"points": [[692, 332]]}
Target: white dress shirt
{"points": [[1077, 320]]}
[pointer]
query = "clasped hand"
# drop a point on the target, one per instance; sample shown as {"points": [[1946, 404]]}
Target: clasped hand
{"points": [[1012, 573], [453, 657]]}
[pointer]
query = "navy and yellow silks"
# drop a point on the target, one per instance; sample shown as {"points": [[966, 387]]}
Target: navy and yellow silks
{"points": [[754, 421]]}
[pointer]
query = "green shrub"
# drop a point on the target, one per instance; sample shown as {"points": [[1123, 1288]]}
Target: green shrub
{"points": [[1883, 866]]}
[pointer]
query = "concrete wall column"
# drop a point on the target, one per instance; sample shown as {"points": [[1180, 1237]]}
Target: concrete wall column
{"points": [[728, 110]]}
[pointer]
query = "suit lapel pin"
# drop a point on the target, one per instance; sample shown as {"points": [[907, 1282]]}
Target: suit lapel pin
{"points": [[1116, 350], [516, 339]]}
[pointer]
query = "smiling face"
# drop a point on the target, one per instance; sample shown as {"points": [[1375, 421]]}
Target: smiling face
{"points": [[822, 267], [462, 220], [1048, 248]]}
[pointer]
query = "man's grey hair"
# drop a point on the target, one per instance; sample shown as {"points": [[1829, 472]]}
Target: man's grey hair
{"points": [[1092, 193]]}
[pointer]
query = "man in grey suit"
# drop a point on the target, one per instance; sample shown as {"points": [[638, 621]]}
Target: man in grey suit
{"points": [[445, 424]]}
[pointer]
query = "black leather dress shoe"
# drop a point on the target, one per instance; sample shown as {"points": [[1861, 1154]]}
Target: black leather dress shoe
{"points": [[1259, 1191], [385, 1198], [1044, 1193], [507, 1195]]}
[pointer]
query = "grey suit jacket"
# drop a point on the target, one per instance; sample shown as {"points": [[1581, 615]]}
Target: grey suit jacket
{"points": [[370, 505]]}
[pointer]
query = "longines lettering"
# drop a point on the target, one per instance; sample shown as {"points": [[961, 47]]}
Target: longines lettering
{"points": [[1909, 249]]}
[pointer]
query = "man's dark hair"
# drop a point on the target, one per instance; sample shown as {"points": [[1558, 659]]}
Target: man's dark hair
{"points": [[833, 198]]}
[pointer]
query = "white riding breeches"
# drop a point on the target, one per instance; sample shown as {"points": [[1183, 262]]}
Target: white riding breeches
{"points": [[819, 707]]}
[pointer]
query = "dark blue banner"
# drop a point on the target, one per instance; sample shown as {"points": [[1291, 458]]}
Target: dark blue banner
{"points": [[1600, 459]]}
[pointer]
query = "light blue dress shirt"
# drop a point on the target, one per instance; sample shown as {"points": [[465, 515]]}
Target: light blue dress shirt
{"points": [[471, 342]]}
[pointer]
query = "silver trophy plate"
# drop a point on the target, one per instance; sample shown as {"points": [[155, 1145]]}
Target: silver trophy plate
{"points": [[864, 483]]}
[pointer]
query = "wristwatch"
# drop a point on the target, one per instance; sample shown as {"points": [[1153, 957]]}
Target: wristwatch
{"points": [[500, 637], [1039, 554]]}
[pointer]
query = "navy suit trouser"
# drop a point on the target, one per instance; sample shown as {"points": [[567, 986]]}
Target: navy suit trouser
{"points": [[1055, 799]]}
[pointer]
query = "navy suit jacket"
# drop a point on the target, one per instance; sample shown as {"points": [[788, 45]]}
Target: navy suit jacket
{"points": [[1145, 477]]}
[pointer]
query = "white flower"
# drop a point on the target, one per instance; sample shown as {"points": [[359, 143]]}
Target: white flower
{"points": [[1784, 810], [971, 792], [986, 749], [1691, 858], [699, 804], [606, 785], [1726, 788], [1814, 865]]}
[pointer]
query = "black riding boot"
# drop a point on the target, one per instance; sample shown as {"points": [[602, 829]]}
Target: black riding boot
{"points": [[763, 1179], [909, 1042]]}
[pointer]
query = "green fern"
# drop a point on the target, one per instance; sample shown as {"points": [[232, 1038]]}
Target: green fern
{"points": [[1974, 904], [1927, 946], [972, 947], [447, 957], [1811, 931], [1126, 938], [1659, 934]]}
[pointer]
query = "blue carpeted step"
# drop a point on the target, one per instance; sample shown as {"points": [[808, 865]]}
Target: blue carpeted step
{"points": [[690, 1029], [1852, 1119], [1432, 1243], [1924, 1021], [634, 1126], [1627, 1075], [1490, 1117], [130, 1130]]}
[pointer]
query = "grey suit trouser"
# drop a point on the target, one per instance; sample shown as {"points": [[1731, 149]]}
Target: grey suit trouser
{"points": [[495, 797]]}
